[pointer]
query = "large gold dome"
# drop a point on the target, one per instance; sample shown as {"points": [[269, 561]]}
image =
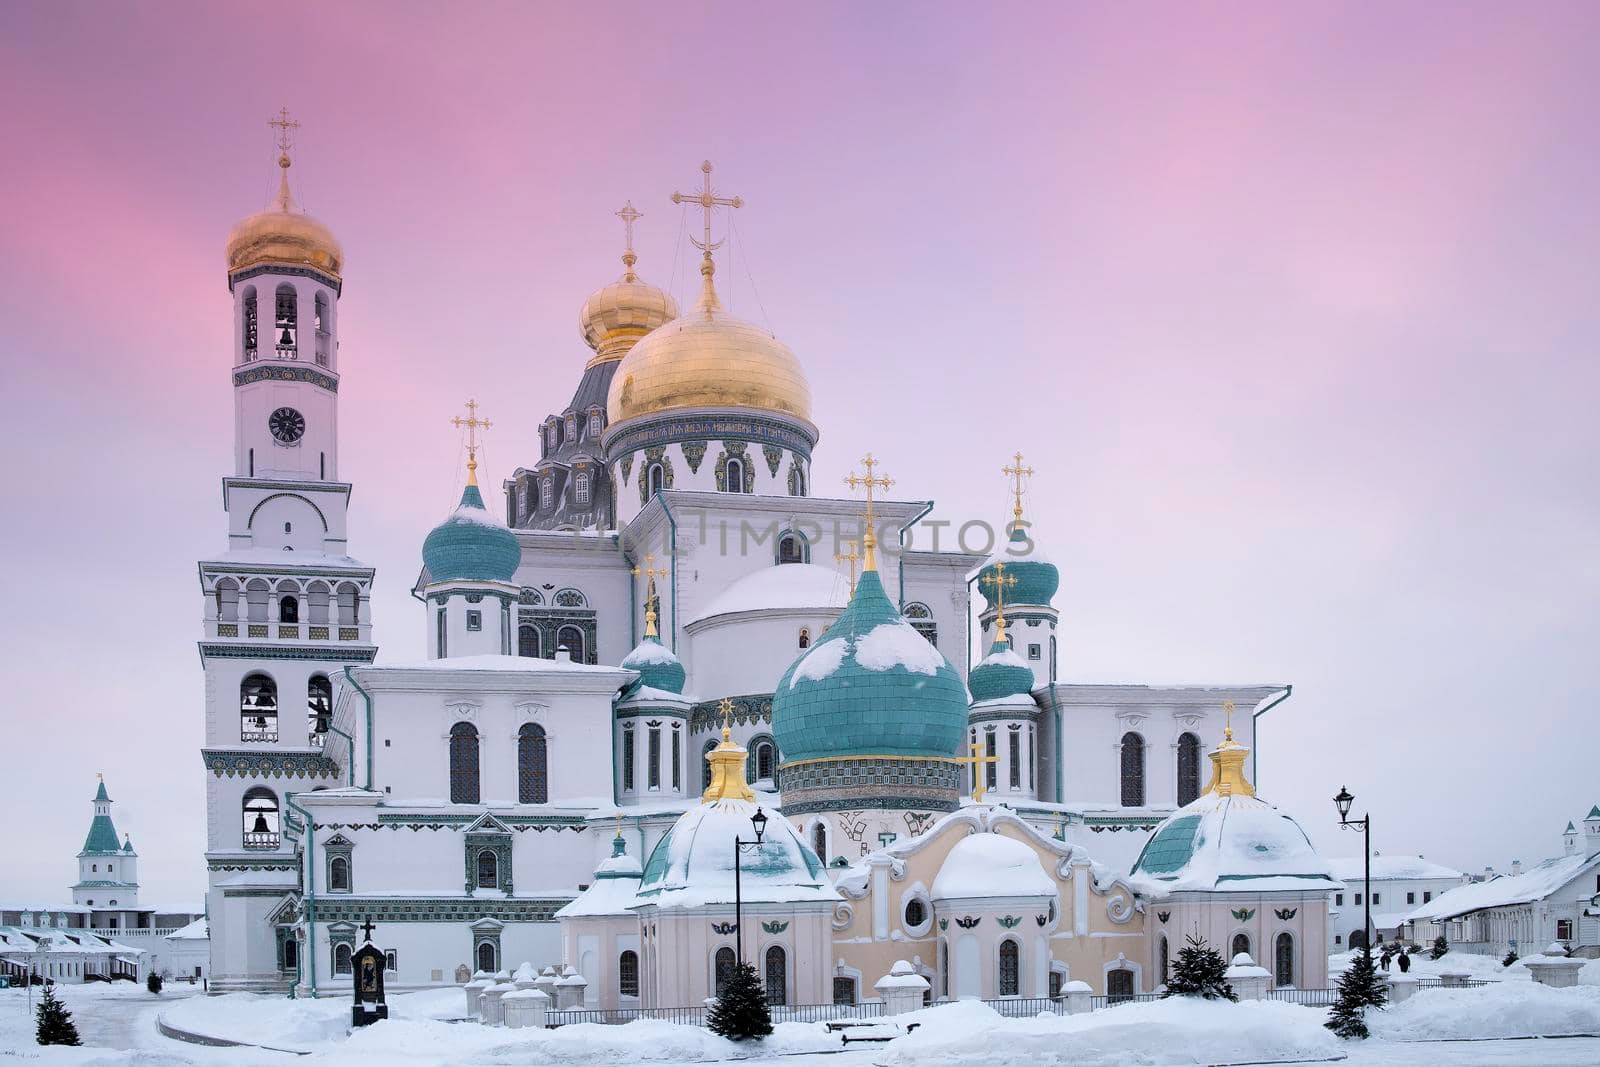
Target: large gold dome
{"points": [[616, 316], [284, 234], [708, 359]]}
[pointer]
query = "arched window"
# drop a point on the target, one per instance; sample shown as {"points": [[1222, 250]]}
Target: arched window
{"points": [[705, 766], [628, 973], [291, 953], [792, 548], [318, 596], [571, 639], [261, 829], [1188, 768], [463, 763], [488, 870], [258, 708], [1283, 960], [319, 704], [339, 875], [1132, 770], [227, 600], [486, 961], [572, 428], [777, 975], [528, 641], [547, 491], [655, 479], [322, 323], [1009, 982], [735, 476], [347, 604], [255, 595], [580, 488], [288, 609], [1241, 943], [594, 425], [723, 964], [766, 761], [286, 325], [921, 618], [819, 841], [533, 777], [341, 958], [916, 912], [805, 637], [1166, 961], [249, 324]]}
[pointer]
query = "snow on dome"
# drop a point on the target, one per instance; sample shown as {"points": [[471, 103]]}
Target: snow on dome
{"points": [[659, 669], [471, 545], [990, 865], [614, 890], [786, 587], [1229, 843], [1037, 577], [1002, 674], [692, 865]]}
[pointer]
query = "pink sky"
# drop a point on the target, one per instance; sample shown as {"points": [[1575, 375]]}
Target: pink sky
{"points": [[1293, 307]]}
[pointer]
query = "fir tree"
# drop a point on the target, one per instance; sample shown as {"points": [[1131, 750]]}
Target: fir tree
{"points": [[152, 982], [55, 1021], [1510, 958], [1440, 947], [1360, 988], [741, 1011], [1199, 971]]}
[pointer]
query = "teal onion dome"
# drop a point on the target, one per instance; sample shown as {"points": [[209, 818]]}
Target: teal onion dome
{"points": [[1037, 578], [471, 545], [870, 685], [1002, 674], [658, 668]]}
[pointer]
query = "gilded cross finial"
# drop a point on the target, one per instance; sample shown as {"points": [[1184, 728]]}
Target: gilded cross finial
{"points": [[709, 201], [726, 707], [977, 761], [869, 540], [472, 424], [651, 572], [629, 216], [285, 139], [1016, 472], [999, 582], [852, 557], [1227, 731]]}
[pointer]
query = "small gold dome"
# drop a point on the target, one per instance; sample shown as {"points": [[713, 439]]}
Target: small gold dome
{"points": [[708, 359], [616, 316], [284, 234]]}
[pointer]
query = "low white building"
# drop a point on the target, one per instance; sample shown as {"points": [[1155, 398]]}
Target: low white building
{"points": [[62, 953], [1400, 884], [1556, 900]]}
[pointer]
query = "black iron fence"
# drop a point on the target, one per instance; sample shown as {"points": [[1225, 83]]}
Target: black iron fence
{"points": [[696, 1016]]}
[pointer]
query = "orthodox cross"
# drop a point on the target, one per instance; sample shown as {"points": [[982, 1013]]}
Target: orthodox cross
{"points": [[708, 201], [1227, 710], [628, 216], [869, 540], [366, 929], [650, 572], [977, 761], [999, 581], [285, 127], [473, 424], [1016, 472], [852, 557], [726, 707]]}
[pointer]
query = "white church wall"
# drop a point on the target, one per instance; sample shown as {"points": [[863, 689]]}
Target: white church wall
{"points": [[748, 652], [593, 566]]}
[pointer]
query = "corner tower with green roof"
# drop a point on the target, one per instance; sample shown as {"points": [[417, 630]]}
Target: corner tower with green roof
{"points": [[1029, 599], [108, 868]]}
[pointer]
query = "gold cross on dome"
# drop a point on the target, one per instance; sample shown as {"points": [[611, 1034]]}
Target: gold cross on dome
{"points": [[869, 540], [852, 557], [708, 201], [650, 572], [977, 761], [285, 127], [472, 424], [1227, 710], [629, 216], [726, 707], [1016, 472], [999, 581]]}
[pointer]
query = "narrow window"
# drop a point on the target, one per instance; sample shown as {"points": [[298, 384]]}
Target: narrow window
{"points": [[288, 609], [527, 641], [594, 425], [1166, 962], [258, 708], [656, 479], [1008, 969], [1132, 770], [819, 841], [628, 973], [488, 870], [341, 958], [227, 600], [391, 960], [677, 756], [1188, 769], [463, 763], [627, 759], [249, 324], [723, 964], [581, 488], [319, 704], [547, 492], [533, 777], [252, 463], [347, 604], [735, 476], [261, 830], [1030, 758], [652, 757], [765, 761], [991, 772], [1241, 943], [339, 875], [1411, 898], [1283, 955], [777, 975], [286, 324], [486, 959], [1014, 752], [439, 633], [320, 308]]}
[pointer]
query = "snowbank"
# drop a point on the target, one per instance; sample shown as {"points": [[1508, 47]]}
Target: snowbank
{"points": [[1505, 1009], [1176, 1031]]}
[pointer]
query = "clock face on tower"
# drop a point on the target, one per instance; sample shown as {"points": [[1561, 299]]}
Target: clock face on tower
{"points": [[287, 425]]}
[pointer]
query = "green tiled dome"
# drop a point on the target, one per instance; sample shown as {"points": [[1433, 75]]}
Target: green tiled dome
{"points": [[470, 545], [871, 685], [1037, 578], [658, 668], [1002, 673]]}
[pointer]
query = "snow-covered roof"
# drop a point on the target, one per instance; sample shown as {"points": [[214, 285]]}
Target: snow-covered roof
{"points": [[614, 890], [1229, 843], [1389, 868], [199, 930], [989, 865], [1531, 885], [692, 864], [788, 586], [516, 664]]}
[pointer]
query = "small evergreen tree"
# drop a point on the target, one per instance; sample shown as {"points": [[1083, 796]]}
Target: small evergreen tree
{"points": [[55, 1021], [1440, 947], [1510, 958], [1199, 971], [741, 1013], [1360, 988], [152, 982]]}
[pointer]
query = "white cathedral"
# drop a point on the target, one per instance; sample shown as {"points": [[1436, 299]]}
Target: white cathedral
{"points": [[667, 631]]}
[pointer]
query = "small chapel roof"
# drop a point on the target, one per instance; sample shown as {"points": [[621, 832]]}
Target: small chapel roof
{"points": [[470, 544], [991, 865]]}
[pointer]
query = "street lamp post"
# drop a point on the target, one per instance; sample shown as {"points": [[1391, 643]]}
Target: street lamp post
{"points": [[758, 822], [1343, 802]]}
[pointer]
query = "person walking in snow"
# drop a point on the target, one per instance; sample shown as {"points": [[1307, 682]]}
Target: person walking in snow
{"points": [[1405, 962], [1385, 957]]}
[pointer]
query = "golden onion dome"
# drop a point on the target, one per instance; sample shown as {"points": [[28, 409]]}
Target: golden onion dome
{"points": [[616, 316], [284, 234], [708, 359]]}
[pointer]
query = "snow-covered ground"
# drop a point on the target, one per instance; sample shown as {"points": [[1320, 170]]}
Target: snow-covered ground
{"points": [[1486, 968]]}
